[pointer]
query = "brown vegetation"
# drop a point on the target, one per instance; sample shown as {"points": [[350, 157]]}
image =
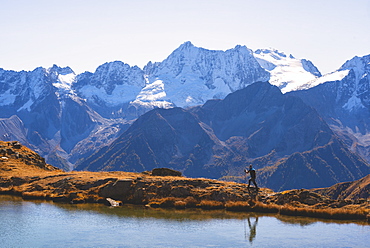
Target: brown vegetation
{"points": [[327, 213], [358, 190], [24, 173]]}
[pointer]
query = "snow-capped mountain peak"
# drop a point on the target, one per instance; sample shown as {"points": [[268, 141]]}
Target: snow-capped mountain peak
{"points": [[359, 65], [192, 75], [112, 84], [60, 70], [287, 72], [62, 79], [22, 88], [274, 53], [358, 82], [352, 80]]}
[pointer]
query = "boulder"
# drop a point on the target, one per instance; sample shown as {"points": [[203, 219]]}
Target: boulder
{"points": [[166, 172], [112, 203], [16, 145]]}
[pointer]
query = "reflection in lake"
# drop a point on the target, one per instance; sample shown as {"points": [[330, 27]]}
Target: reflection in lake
{"points": [[252, 228], [47, 224]]}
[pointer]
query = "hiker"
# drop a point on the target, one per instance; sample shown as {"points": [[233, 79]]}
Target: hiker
{"points": [[252, 172]]}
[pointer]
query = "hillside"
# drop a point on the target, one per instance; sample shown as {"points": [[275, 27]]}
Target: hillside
{"points": [[16, 159], [322, 166], [359, 189], [25, 173]]}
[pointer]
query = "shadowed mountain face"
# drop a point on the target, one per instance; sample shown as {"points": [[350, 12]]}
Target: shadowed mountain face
{"points": [[266, 120], [343, 102], [322, 166], [255, 124], [160, 138]]}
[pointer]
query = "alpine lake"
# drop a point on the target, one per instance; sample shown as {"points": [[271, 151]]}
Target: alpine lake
{"points": [[48, 224]]}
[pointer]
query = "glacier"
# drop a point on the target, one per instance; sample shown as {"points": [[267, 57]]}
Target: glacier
{"points": [[286, 72]]}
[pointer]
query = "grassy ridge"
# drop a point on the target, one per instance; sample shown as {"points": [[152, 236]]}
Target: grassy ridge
{"points": [[24, 173]]}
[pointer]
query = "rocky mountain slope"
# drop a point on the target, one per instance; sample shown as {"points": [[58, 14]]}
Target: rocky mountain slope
{"points": [[342, 99], [321, 166], [257, 124], [17, 159], [40, 109], [160, 138]]}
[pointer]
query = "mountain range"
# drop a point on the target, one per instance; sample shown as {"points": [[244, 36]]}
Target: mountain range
{"points": [[344, 102], [65, 116], [68, 117], [279, 134]]}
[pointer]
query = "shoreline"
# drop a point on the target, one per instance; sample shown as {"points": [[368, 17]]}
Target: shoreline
{"points": [[179, 193], [24, 173]]}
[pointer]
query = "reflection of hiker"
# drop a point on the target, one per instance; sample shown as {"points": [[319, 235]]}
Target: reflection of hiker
{"points": [[252, 228], [252, 172]]}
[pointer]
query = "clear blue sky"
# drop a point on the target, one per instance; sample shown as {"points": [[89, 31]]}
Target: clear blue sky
{"points": [[84, 34]]}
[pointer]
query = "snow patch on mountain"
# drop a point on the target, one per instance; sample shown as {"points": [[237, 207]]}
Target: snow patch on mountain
{"points": [[26, 106], [354, 103], [152, 92], [121, 94], [112, 84], [153, 95], [64, 82], [286, 72], [36, 82], [359, 65], [330, 77], [7, 98]]}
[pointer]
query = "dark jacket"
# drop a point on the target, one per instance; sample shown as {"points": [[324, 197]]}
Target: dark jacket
{"points": [[252, 171]]}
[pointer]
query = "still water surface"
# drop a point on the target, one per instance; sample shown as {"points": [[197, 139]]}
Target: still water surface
{"points": [[47, 224]]}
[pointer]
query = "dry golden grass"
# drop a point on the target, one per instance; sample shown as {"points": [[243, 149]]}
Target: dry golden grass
{"points": [[208, 204], [180, 204], [328, 213], [4, 190], [239, 206], [252, 206], [255, 206], [191, 202], [92, 198], [167, 202], [265, 208]]}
